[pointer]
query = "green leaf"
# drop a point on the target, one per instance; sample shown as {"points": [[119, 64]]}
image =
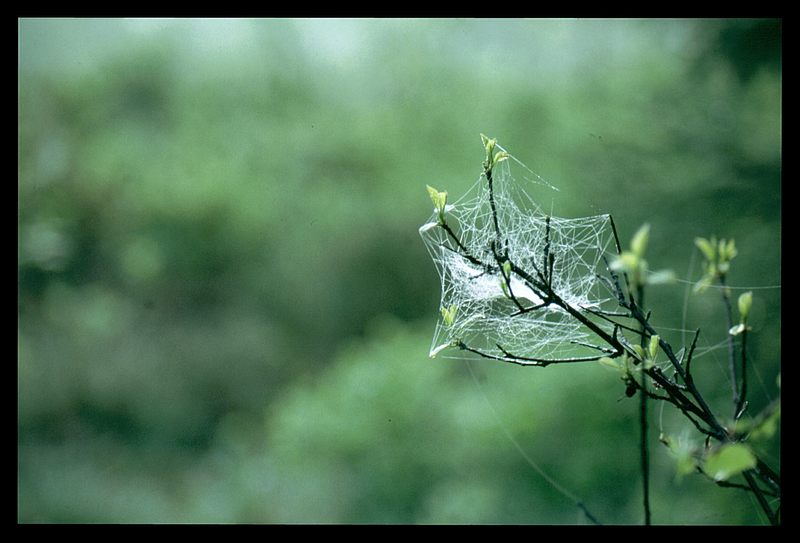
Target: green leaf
{"points": [[661, 277], [500, 156], [488, 144], [729, 460], [640, 239], [625, 262], [730, 250], [745, 301], [766, 428], [707, 248], [611, 363], [684, 452], [653, 348], [507, 268], [449, 315], [703, 284], [439, 199], [504, 286]]}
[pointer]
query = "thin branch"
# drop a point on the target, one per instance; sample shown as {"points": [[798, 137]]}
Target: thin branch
{"points": [[506, 278], [691, 352], [605, 316], [644, 450], [523, 361], [741, 405], [488, 173], [727, 484], [596, 347], [726, 300], [547, 361], [762, 501], [464, 251]]}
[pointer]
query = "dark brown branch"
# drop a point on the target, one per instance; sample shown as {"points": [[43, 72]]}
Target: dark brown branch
{"points": [[547, 361], [691, 352]]}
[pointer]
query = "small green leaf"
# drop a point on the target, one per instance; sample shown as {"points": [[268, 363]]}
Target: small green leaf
{"points": [[661, 277], [625, 262], [703, 284], [500, 156], [730, 250], [653, 348], [707, 248], [610, 362], [766, 428], [745, 301], [449, 315], [722, 249], [683, 450], [439, 199], [504, 286], [639, 241], [729, 460], [507, 268], [488, 144]]}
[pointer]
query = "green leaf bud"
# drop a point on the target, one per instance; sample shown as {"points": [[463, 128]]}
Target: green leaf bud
{"points": [[745, 302], [640, 239]]}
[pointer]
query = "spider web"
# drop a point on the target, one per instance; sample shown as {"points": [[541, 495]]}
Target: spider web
{"points": [[484, 315]]}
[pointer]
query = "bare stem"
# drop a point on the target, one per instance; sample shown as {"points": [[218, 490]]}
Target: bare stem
{"points": [[726, 300], [643, 428]]}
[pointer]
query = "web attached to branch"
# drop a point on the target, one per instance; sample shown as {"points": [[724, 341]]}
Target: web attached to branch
{"points": [[494, 310]]}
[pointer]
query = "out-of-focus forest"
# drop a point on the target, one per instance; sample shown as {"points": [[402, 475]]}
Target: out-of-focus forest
{"points": [[225, 308]]}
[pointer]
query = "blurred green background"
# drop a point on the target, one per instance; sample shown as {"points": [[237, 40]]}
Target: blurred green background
{"points": [[224, 306]]}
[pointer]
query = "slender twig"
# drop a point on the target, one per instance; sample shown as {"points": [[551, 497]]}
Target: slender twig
{"points": [[596, 347], [762, 501], [464, 252], [605, 317], [507, 279], [728, 484], [691, 352], [524, 361], [726, 300], [741, 405], [488, 173], [643, 429], [547, 361]]}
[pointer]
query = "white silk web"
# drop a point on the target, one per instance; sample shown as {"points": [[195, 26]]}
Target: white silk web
{"points": [[479, 310]]}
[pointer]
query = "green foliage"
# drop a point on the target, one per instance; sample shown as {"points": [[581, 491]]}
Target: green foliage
{"points": [[717, 260], [633, 263], [744, 303], [728, 460], [684, 451], [439, 200], [449, 315]]}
